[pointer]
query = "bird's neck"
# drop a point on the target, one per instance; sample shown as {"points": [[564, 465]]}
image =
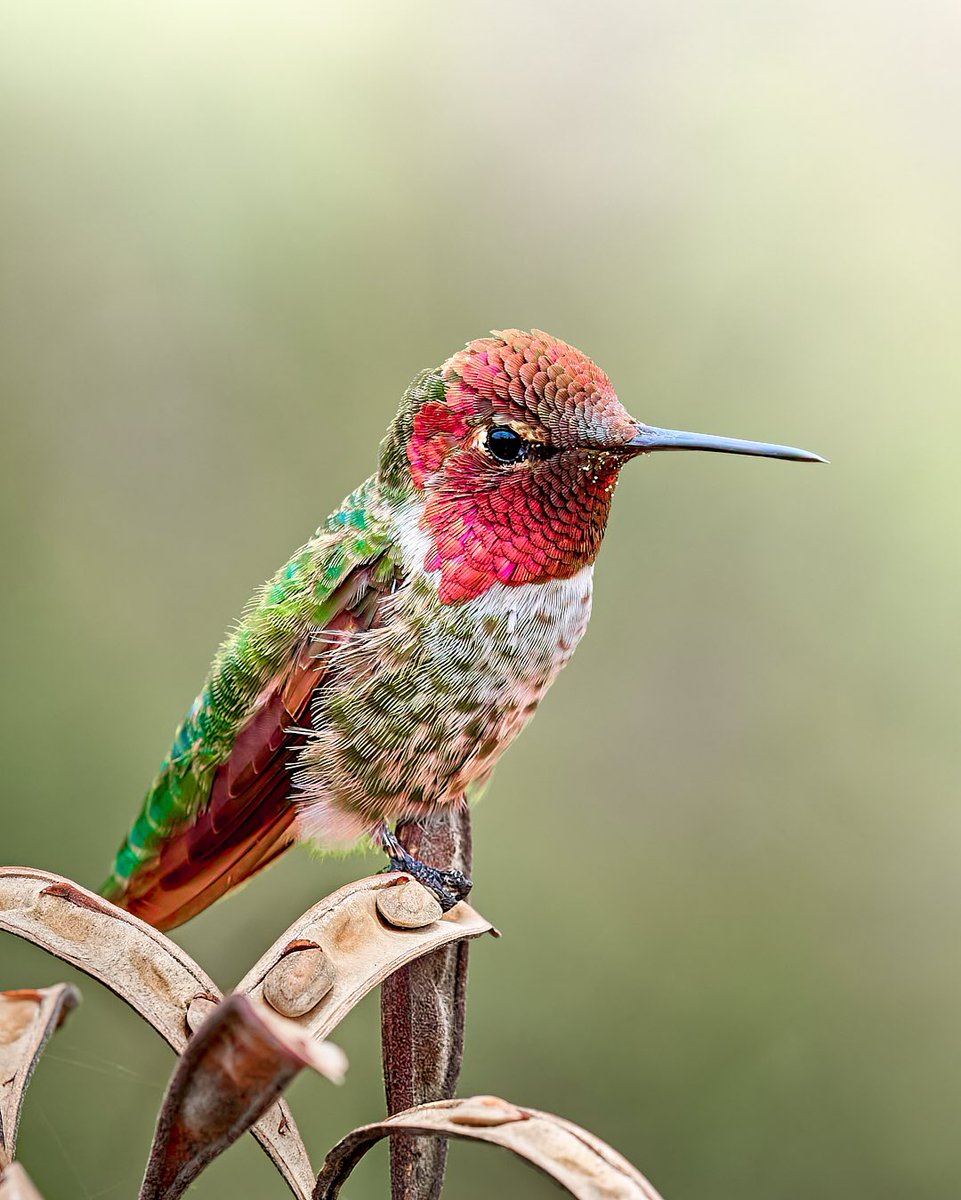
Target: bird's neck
{"points": [[464, 546]]}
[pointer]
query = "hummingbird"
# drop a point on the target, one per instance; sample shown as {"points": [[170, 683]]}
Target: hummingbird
{"points": [[386, 667]]}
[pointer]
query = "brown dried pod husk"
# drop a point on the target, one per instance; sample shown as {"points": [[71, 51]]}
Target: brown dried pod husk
{"points": [[586, 1167], [234, 1068], [28, 1018]]}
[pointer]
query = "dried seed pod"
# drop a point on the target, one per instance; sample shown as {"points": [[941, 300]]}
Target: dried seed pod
{"points": [[28, 1018], [581, 1163], [233, 1070], [361, 947]]}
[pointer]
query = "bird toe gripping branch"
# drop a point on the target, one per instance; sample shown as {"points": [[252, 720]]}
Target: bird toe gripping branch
{"points": [[449, 886]]}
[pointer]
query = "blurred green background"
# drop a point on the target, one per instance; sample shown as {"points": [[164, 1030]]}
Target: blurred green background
{"points": [[725, 856]]}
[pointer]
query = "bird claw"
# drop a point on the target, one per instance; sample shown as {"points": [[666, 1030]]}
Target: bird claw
{"points": [[450, 887]]}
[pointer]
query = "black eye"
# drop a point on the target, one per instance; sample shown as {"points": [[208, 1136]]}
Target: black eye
{"points": [[505, 444]]}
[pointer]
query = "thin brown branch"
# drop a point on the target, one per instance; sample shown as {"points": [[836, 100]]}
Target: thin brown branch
{"points": [[423, 1011]]}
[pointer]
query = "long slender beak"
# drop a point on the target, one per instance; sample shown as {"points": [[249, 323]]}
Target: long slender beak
{"points": [[650, 438]]}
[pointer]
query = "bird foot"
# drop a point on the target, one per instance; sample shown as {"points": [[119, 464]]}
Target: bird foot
{"points": [[450, 887]]}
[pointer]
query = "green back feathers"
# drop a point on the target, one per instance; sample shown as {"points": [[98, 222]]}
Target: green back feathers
{"points": [[302, 596]]}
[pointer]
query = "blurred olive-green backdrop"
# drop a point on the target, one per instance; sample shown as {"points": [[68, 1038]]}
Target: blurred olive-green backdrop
{"points": [[725, 855]]}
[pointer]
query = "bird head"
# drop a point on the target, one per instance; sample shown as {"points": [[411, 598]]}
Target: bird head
{"points": [[511, 451]]}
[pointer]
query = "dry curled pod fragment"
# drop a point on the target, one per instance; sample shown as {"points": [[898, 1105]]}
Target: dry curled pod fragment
{"points": [[15, 1184], [233, 1069], [581, 1163], [144, 968], [141, 966], [28, 1017]]}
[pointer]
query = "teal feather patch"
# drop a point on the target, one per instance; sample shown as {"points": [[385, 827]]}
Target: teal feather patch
{"points": [[300, 598]]}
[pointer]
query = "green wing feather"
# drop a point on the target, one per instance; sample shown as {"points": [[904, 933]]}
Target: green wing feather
{"points": [[302, 596]]}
